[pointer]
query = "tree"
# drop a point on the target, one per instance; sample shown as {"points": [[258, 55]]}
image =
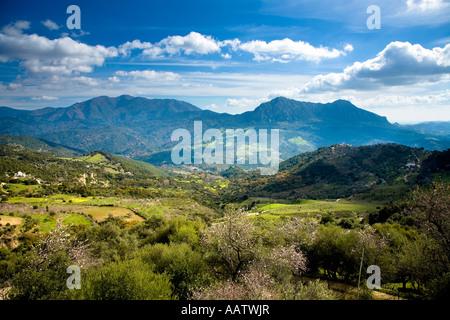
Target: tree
{"points": [[232, 241], [335, 250], [431, 208], [47, 281], [42, 274]]}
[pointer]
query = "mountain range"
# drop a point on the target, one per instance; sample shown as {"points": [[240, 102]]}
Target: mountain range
{"points": [[441, 128], [141, 128]]}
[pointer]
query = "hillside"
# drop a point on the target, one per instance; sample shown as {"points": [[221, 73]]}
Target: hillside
{"points": [[121, 164], [95, 169], [34, 144], [377, 172]]}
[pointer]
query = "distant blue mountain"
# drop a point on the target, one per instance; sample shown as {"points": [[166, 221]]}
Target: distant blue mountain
{"points": [[433, 127], [141, 128]]}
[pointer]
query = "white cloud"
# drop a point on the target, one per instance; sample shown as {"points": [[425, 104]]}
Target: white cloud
{"points": [[44, 98], [85, 81], [425, 5], [38, 54], [50, 24], [348, 47], [408, 106], [244, 103], [114, 79], [14, 86], [128, 46], [234, 44], [286, 50], [400, 63], [193, 43], [149, 75], [79, 34], [212, 106], [16, 28]]}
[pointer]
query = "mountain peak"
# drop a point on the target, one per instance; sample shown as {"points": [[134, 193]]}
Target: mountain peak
{"points": [[110, 110], [281, 109], [280, 99]]}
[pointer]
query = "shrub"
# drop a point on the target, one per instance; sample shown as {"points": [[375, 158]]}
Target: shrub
{"points": [[314, 290], [123, 280], [184, 266]]}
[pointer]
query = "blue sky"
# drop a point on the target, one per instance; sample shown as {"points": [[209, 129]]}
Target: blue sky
{"points": [[230, 56]]}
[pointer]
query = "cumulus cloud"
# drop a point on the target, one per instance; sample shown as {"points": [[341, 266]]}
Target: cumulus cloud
{"points": [[50, 24], [286, 50], [38, 54], [234, 44], [128, 46], [348, 47], [16, 28], [400, 63], [193, 43]]}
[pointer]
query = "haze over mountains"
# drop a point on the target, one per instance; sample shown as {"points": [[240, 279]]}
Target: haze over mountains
{"points": [[434, 127], [141, 128]]}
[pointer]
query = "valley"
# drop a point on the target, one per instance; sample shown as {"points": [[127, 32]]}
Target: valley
{"points": [[199, 232]]}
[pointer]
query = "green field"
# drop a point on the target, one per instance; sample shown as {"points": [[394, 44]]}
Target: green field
{"points": [[60, 198], [307, 207], [77, 220]]}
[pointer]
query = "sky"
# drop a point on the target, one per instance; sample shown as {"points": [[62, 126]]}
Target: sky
{"points": [[230, 56]]}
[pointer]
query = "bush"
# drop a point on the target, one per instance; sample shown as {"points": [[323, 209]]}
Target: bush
{"points": [[334, 251], [124, 280], [326, 219], [314, 290], [184, 266], [45, 283]]}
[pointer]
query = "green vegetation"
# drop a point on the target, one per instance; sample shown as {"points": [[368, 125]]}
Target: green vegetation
{"points": [[34, 144], [320, 207], [137, 234]]}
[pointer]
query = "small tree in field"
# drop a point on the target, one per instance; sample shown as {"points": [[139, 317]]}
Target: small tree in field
{"points": [[431, 209], [233, 241]]}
